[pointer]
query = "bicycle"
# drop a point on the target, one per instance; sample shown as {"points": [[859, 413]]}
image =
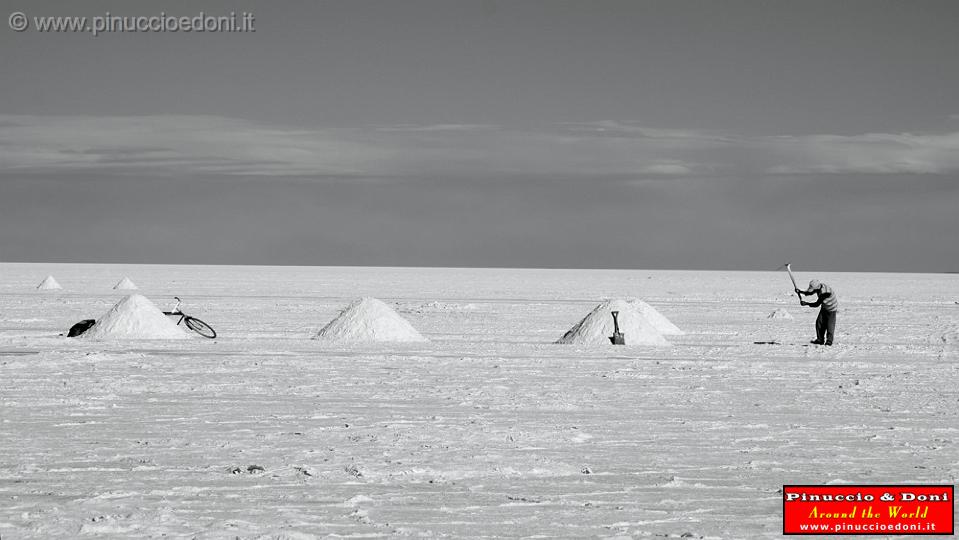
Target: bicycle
{"points": [[192, 323]]}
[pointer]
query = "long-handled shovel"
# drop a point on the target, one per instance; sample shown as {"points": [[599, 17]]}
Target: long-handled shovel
{"points": [[793, 279]]}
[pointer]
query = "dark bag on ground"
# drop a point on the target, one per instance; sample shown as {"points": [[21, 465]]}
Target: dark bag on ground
{"points": [[81, 327]]}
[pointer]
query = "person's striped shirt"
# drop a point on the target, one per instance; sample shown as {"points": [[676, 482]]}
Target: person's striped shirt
{"points": [[827, 297]]}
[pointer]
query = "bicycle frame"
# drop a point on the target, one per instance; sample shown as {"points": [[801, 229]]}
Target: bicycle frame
{"points": [[176, 310], [192, 323]]}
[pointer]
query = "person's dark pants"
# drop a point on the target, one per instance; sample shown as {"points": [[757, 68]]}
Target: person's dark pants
{"points": [[825, 326]]}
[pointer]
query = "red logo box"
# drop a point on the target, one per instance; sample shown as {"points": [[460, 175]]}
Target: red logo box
{"points": [[868, 509]]}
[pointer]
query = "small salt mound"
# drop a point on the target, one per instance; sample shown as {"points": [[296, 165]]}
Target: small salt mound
{"points": [[597, 327], [134, 317], [658, 320], [780, 313], [369, 320], [49, 284], [125, 284]]}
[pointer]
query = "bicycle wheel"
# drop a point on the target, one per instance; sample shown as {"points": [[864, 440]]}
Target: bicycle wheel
{"points": [[200, 327]]}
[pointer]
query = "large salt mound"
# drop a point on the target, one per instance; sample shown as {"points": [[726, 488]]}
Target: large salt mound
{"points": [[597, 327], [780, 313], [134, 317], [49, 284], [369, 320], [125, 284], [657, 319]]}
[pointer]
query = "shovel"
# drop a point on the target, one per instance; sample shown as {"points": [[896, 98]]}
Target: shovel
{"points": [[618, 338], [793, 279]]}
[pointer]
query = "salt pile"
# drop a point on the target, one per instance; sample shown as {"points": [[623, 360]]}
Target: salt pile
{"points": [[658, 320], [125, 284], [49, 284], [779, 313], [369, 320], [134, 317], [597, 327]]}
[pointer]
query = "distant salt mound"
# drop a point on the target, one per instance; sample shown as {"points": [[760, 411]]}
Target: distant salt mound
{"points": [[658, 320], [125, 284], [134, 317], [369, 320], [49, 284], [780, 313], [597, 327]]}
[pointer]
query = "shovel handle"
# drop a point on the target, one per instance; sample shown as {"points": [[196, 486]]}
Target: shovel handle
{"points": [[793, 279]]}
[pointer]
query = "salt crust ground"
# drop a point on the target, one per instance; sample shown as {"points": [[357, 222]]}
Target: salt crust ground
{"points": [[488, 430]]}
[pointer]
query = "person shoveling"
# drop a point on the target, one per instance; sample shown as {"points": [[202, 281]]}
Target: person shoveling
{"points": [[825, 297], [826, 322]]}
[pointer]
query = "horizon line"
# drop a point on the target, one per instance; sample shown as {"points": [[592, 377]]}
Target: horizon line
{"points": [[439, 267]]}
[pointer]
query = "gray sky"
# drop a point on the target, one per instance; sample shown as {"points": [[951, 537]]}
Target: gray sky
{"points": [[671, 134]]}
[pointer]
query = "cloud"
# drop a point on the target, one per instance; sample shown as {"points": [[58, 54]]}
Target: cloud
{"points": [[174, 144], [437, 127], [630, 130], [178, 145], [873, 153], [668, 169], [212, 145]]}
